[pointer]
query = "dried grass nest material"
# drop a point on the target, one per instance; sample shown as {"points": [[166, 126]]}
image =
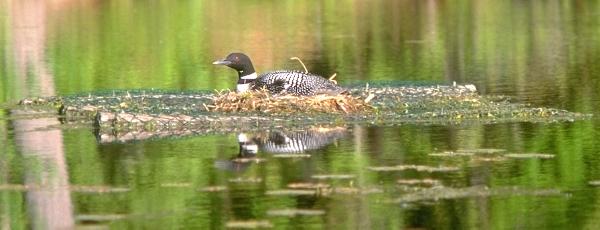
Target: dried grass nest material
{"points": [[263, 101]]}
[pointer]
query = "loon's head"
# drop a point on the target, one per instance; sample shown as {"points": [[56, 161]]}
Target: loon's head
{"points": [[238, 61], [242, 64]]}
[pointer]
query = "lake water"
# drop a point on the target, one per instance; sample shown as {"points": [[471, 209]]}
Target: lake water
{"points": [[463, 176]]}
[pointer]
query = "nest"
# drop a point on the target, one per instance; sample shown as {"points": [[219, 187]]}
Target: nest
{"points": [[263, 101]]}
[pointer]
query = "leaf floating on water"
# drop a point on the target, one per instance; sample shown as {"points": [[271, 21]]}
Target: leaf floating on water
{"points": [[245, 180], [291, 192], [213, 189], [308, 185], [529, 155], [353, 190], [490, 159], [452, 154], [594, 183], [412, 188], [333, 176], [176, 185], [295, 212], [97, 189], [99, 217], [481, 151], [430, 182], [249, 224], [419, 168]]}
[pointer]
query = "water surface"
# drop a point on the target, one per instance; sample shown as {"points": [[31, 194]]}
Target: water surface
{"points": [[544, 53]]}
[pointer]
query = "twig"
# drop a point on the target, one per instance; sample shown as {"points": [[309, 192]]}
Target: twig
{"points": [[302, 63], [332, 78], [369, 98]]}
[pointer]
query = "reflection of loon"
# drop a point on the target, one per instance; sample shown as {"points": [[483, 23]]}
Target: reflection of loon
{"points": [[292, 142], [280, 142]]}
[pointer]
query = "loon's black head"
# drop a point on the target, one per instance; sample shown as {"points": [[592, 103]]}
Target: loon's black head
{"points": [[238, 61]]}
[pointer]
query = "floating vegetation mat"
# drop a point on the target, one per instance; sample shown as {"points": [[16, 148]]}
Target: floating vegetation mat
{"points": [[490, 155], [529, 155], [134, 115], [306, 185], [444, 193], [427, 182], [292, 192], [249, 224], [325, 191], [594, 183], [251, 180], [418, 168], [295, 212], [176, 185], [213, 189], [332, 176]]}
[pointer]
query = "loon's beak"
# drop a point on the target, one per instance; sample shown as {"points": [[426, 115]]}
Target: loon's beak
{"points": [[222, 62]]}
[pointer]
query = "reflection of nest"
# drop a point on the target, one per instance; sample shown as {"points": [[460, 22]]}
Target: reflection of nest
{"points": [[262, 100]]}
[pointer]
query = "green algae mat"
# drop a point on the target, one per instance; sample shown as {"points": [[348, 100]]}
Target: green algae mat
{"points": [[141, 114]]}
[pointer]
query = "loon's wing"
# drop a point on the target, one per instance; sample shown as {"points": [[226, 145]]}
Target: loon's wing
{"points": [[272, 83], [278, 86], [299, 83]]}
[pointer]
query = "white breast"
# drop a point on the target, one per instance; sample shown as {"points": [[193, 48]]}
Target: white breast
{"points": [[243, 87]]}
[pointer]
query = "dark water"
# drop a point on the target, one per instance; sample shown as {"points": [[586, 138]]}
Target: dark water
{"points": [[541, 52]]}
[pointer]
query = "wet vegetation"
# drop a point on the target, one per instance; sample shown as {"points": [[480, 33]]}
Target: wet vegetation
{"points": [[150, 114]]}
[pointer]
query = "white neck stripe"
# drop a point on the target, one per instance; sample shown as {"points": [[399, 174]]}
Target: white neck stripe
{"points": [[250, 76]]}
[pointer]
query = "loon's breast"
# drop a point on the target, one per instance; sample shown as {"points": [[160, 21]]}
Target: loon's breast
{"points": [[296, 82]]}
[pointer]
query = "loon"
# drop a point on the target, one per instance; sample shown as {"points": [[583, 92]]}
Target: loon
{"points": [[278, 82]]}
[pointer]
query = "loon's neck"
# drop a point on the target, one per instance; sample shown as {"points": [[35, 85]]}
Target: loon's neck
{"points": [[245, 81]]}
